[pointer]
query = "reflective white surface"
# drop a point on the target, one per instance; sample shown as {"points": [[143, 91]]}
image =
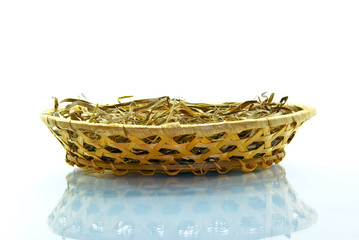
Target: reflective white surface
{"points": [[286, 200], [232, 206]]}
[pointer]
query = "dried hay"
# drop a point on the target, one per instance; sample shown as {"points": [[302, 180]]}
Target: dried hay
{"points": [[162, 110]]}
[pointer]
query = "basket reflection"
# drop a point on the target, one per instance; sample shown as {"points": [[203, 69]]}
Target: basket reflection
{"points": [[232, 206]]}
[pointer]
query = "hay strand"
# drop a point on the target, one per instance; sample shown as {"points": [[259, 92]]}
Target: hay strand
{"points": [[163, 110]]}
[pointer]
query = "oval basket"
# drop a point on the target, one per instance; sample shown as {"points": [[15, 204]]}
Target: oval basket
{"points": [[244, 144]]}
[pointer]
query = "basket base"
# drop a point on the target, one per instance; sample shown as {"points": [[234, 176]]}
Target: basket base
{"points": [[245, 165]]}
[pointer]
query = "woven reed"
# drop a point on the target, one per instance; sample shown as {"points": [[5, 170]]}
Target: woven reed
{"points": [[245, 144]]}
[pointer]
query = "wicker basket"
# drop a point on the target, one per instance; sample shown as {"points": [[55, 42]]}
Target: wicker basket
{"points": [[231, 206], [245, 144]]}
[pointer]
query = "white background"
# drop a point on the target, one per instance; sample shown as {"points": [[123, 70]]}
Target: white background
{"points": [[198, 50]]}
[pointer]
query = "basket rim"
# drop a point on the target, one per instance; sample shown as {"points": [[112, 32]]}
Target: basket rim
{"points": [[173, 129]]}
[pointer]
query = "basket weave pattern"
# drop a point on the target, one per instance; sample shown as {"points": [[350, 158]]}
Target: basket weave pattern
{"points": [[222, 151], [174, 148]]}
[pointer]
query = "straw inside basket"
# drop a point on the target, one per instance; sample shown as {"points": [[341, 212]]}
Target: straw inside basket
{"points": [[174, 147]]}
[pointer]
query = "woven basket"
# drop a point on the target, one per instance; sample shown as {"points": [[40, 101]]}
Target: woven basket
{"points": [[231, 206], [245, 144]]}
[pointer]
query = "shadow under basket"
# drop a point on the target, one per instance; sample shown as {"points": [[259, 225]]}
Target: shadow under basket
{"points": [[173, 148]]}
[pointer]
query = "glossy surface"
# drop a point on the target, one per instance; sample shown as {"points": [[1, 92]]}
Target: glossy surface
{"points": [[233, 206], [286, 200]]}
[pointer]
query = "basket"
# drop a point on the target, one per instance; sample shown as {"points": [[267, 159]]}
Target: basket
{"points": [[231, 206], [245, 144]]}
